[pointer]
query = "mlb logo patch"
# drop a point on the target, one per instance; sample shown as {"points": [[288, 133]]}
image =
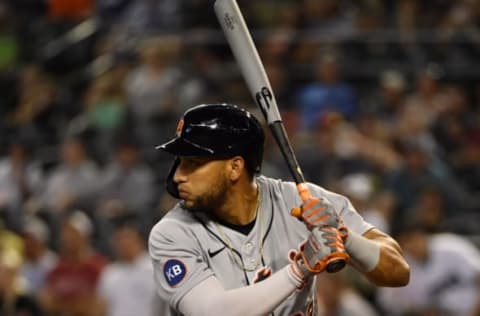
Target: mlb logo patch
{"points": [[174, 271]]}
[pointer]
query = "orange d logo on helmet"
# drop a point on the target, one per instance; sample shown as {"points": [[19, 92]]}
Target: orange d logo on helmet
{"points": [[178, 131]]}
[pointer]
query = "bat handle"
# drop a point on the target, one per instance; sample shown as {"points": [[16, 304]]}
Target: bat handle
{"points": [[304, 191], [305, 195]]}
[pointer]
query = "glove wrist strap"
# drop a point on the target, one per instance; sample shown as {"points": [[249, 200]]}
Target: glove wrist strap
{"points": [[298, 273], [364, 253]]}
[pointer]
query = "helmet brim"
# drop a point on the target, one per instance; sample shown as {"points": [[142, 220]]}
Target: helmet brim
{"points": [[182, 147]]}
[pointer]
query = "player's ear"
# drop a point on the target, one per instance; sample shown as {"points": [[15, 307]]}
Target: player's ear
{"points": [[237, 167]]}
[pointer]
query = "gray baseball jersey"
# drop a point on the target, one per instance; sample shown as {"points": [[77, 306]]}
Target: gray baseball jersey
{"points": [[187, 248]]}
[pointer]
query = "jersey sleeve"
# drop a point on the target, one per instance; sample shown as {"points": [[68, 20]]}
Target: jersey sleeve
{"points": [[177, 258], [256, 299], [352, 219]]}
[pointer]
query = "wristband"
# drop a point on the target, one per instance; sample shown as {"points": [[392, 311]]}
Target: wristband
{"points": [[364, 253], [296, 272]]}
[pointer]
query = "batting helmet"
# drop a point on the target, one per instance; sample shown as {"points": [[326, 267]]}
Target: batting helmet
{"points": [[220, 131]]}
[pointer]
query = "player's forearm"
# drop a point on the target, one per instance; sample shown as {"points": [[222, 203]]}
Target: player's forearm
{"points": [[385, 268], [257, 299], [392, 269]]}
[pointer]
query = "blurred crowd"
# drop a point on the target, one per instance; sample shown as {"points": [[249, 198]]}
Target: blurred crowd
{"points": [[380, 99]]}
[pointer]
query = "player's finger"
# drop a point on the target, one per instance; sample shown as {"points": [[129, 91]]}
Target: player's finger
{"points": [[296, 212]]}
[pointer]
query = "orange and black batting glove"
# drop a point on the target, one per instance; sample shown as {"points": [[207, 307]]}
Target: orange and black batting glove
{"points": [[316, 212], [323, 246], [323, 221], [319, 212]]}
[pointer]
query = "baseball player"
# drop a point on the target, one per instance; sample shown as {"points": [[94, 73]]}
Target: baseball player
{"points": [[231, 247]]}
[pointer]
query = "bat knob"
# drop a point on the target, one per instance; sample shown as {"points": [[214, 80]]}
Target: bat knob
{"points": [[335, 265], [296, 212]]}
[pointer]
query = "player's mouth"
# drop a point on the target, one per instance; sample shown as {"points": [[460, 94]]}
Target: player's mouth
{"points": [[183, 194]]}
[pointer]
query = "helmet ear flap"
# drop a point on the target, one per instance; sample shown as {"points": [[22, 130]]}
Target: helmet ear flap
{"points": [[171, 186]]}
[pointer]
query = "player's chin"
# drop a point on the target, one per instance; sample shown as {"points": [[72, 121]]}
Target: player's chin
{"points": [[191, 206], [188, 205]]}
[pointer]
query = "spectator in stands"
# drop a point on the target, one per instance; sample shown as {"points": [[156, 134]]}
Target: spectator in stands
{"points": [[127, 185], [328, 93], [359, 188], [70, 285], [73, 182], [365, 148], [319, 148], [332, 17], [385, 203], [146, 16], [459, 24], [277, 72], [456, 133], [35, 116], [74, 10], [445, 276], [276, 47], [20, 177], [422, 107], [429, 210], [126, 286], [337, 297], [104, 113], [13, 300], [419, 170], [201, 81], [105, 103], [11, 247], [406, 17], [38, 258], [13, 295], [388, 98], [152, 87], [152, 84]]}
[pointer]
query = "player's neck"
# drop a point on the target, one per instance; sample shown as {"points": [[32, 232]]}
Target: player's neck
{"points": [[241, 207]]}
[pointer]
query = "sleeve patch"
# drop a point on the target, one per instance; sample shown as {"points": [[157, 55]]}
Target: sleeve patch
{"points": [[174, 271]]}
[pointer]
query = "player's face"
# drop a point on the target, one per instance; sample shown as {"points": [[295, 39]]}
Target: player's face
{"points": [[202, 183]]}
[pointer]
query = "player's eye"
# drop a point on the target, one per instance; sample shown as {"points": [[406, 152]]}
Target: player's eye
{"points": [[194, 162]]}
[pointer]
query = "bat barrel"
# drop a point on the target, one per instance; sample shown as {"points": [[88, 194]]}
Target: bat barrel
{"points": [[243, 48]]}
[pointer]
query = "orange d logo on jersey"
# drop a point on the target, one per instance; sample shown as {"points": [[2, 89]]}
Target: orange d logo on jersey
{"points": [[261, 274]]}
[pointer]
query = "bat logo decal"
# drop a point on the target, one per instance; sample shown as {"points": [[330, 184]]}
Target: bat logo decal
{"points": [[264, 98], [230, 21]]}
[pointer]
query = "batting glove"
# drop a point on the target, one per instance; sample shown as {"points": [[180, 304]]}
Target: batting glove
{"points": [[322, 248], [316, 212]]}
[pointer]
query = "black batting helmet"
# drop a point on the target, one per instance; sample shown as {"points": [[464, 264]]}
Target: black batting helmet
{"points": [[220, 131]]}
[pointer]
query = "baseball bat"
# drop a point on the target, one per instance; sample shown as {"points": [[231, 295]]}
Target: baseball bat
{"points": [[241, 43], [243, 48]]}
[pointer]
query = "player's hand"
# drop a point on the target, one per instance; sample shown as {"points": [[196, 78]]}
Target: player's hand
{"points": [[317, 212], [322, 250]]}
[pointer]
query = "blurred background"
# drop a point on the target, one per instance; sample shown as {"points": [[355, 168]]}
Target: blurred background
{"points": [[380, 98]]}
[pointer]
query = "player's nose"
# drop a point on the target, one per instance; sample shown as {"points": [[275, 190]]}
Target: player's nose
{"points": [[180, 174]]}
